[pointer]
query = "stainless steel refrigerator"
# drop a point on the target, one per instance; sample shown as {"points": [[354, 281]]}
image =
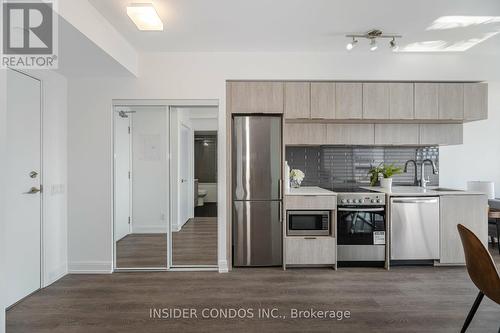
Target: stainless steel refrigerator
{"points": [[257, 199]]}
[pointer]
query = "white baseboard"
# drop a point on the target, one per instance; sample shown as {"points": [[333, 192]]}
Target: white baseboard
{"points": [[223, 268], [55, 274], [90, 267], [149, 229]]}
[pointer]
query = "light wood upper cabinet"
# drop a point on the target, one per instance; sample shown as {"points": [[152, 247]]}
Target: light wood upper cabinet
{"points": [[304, 134], [475, 101], [323, 100], [441, 134], [469, 210], [426, 101], [349, 101], [401, 106], [256, 97], [451, 101], [350, 134], [397, 134], [375, 101], [297, 100]]}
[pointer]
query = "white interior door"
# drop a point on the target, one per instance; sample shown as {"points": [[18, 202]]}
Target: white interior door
{"points": [[122, 176], [186, 201], [23, 199]]}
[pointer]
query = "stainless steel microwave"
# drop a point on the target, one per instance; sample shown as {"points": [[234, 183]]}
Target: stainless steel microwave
{"points": [[308, 222]]}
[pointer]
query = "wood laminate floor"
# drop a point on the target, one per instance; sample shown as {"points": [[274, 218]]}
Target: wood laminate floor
{"points": [[194, 244], [404, 299]]}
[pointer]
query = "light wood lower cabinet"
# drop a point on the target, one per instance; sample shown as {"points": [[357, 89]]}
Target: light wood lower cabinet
{"points": [[310, 250], [306, 202], [469, 210]]}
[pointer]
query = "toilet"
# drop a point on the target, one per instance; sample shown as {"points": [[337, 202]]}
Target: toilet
{"points": [[201, 196]]}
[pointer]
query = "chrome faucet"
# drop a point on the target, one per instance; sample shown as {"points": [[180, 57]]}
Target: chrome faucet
{"points": [[423, 181], [415, 179]]}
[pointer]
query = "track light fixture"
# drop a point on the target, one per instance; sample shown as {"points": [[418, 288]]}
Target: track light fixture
{"points": [[372, 36]]}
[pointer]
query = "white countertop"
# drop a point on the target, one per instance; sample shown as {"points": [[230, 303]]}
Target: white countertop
{"points": [[309, 190], [418, 191]]}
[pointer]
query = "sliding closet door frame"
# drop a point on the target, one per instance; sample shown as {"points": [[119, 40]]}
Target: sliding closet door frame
{"points": [[167, 104]]}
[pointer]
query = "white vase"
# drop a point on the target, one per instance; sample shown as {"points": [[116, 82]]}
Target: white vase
{"points": [[386, 183]]}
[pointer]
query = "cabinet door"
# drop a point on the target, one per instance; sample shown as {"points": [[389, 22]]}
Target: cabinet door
{"points": [[396, 134], [469, 210], [475, 101], [297, 100], [451, 101], [350, 134], [348, 98], [375, 101], [426, 101], [256, 97], [441, 134], [323, 100], [310, 250], [305, 134], [401, 101]]}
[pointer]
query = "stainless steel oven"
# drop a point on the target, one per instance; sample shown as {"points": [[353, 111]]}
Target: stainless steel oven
{"points": [[308, 222], [361, 227]]}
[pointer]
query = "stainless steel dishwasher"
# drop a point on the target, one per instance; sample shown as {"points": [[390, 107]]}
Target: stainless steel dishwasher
{"points": [[414, 228]]}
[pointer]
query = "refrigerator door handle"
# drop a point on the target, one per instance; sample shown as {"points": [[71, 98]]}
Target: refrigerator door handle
{"points": [[281, 212], [279, 189]]}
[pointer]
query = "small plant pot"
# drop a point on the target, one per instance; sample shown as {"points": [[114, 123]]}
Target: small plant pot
{"points": [[386, 183]]}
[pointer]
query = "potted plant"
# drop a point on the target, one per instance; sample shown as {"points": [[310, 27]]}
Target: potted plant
{"points": [[386, 171], [296, 178]]}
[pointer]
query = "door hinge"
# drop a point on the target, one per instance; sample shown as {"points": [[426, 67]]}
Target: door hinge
{"points": [[129, 220]]}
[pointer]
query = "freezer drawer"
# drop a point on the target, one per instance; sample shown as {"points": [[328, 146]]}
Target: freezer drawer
{"points": [[257, 233], [414, 228]]}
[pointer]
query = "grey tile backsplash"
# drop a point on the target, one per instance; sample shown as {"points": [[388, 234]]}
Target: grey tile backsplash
{"points": [[329, 166]]}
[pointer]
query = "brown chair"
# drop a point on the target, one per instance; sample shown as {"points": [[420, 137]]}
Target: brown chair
{"points": [[481, 269]]}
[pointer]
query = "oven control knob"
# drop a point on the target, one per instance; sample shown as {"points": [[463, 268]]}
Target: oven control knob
{"points": [[361, 201], [349, 200], [373, 200], [343, 201], [379, 201]]}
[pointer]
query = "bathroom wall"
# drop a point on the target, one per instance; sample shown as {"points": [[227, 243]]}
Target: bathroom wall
{"points": [[335, 166]]}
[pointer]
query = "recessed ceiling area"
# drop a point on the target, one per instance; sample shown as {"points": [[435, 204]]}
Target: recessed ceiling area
{"points": [[308, 26]]}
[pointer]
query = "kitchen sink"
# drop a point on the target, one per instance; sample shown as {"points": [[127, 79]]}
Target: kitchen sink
{"points": [[443, 189]]}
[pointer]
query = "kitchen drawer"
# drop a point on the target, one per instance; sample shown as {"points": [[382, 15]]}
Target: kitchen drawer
{"points": [[327, 202], [310, 251]]}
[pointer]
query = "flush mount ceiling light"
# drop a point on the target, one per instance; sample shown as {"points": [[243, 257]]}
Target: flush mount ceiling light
{"points": [[372, 36], [145, 17]]}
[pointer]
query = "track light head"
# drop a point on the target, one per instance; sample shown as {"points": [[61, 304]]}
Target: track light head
{"points": [[373, 44], [352, 44], [393, 45]]}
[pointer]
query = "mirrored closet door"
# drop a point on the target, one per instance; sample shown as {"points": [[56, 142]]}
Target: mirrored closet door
{"points": [[141, 187]]}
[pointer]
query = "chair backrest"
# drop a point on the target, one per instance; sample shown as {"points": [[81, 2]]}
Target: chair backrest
{"points": [[480, 264]]}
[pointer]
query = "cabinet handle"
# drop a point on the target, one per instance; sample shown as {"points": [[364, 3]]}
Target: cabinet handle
{"points": [[309, 237]]}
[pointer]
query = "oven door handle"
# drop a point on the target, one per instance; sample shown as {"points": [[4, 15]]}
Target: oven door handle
{"points": [[361, 209]]}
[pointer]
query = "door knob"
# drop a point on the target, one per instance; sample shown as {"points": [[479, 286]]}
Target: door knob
{"points": [[33, 190], [33, 174]]}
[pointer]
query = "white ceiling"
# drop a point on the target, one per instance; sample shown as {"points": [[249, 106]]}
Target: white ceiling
{"points": [[298, 25]]}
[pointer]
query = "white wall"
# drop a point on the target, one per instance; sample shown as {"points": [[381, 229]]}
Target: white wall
{"points": [[3, 121], [149, 170], [202, 76]]}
